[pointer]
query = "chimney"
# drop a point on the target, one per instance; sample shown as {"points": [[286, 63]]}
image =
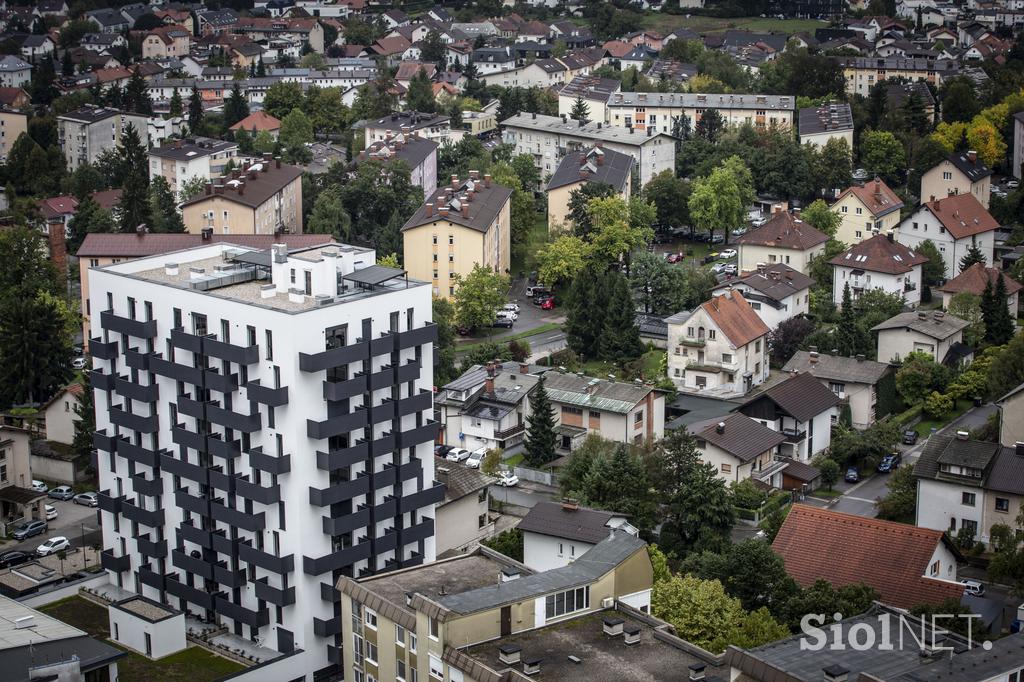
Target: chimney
{"points": [[938, 315], [474, 175], [430, 209], [932, 200], [487, 180], [963, 435], [696, 672], [509, 653], [455, 180], [241, 188], [55, 238], [761, 267], [509, 573], [922, 315], [442, 474], [860, 358], [612, 626], [720, 427], [171, 269], [277, 162], [889, 236], [531, 666], [812, 357], [835, 673], [218, 189], [584, 173], [632, 634], [570, 504], [209, 188], [878, 189], [524, 368], [443, 211], [1018, 448], [465, 209], [972, 156]]}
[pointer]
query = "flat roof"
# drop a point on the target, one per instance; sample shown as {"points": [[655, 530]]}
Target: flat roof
{"points": [[39, 629], [373, 275]]}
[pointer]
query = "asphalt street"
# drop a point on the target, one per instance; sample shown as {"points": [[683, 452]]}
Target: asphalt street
{"points": [[73, 522]]}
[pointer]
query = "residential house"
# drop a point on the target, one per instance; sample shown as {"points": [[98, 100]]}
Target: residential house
{"points": [[776, 292], [597, 165], [459, 226], [84, 134], [855, 381], [740, 449], [14, 72], [1011, 417], [216, 22], [264, 198], [955, 224], [487, 406], [257, 122], [548, 138], [408, 69], [799, 408], [102, 42], [490, 60], [938, 334], [721, 348], [973, 281], [478, 123], [463, 517], [180, 161], [166, 41], [12, 125], [542, 73], [60, 415], [899, 94], [659, 110], [907, 565], [614, 410], [881, 263], [17, 499], [818, 125], [431, 126], [967, 486], [783, 240], [35, 47], [638, 58], [59, 209], [555, 534], [418, 153], [594, 90], [959, 173], [14, 98], [109, 20], [866, 210]]}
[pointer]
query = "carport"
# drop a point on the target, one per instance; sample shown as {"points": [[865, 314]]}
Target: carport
{"points": [[17, 504]]}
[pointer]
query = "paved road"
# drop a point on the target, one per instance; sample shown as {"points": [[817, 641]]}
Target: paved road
{"points": [[69, 522], [530, 317], [526, 494]]}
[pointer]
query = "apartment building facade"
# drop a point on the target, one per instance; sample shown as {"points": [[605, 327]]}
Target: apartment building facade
{"points": [[86, 133], [182, 160], [263, 429], [659, 110], [12, 125]]}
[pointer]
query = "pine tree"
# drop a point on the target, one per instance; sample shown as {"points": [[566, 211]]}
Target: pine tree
{"points": [[176, 104], [541, 439], [163, 207], [420, 96], [585, 310], [620, 337], [67, 67], [136, 96], [134, 204], [847, 333], [86, 422], [580, 110], [973, 255], [235, 107], [261, 69], [195, 112], [89, 217], [999, 325]]}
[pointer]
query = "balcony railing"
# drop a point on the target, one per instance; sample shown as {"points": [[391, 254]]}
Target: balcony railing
{"points": [[509, 432], [909, 286], [693, 343], [793, 435], [767, 472]]}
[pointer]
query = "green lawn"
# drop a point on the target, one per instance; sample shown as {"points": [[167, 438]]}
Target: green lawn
{"points": [[524, 256], [666, 23], [194, 664], [924, 427], [513, 461], [647, 367]]}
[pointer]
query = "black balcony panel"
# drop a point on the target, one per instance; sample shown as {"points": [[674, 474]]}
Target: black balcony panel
{"points": [[98, 379], [386, 542], [143, 329], [190, 407], [329, 593], [421, 531], [343, 390], [179, 588], [382, 378], [141, 392], [136, 359], [242, 355], [414, 560], [102, 350], [243, 615], [336, 560], [196, 566], [388, 509], [246, 423], [117, 564], [264, 395], [410, 371], [257, 493], [222, 481], [419, 434], [225, 383], [233, 517], [180, 467], [343, 457], [101, 441], [417, 337], [173, 370], [334, 655], [147, 486], [192, 503], [424, 400], [336, 425], [136, 422], [275, 595], [385, 477], [327, 628], [109, 503], [148, 576], [258, 557], [195, 535], [347, 522], [189, 439], [410, 470], [216, 445], [269, 463], [152, 519], [384, 444], [339, 492], [150, 548], [432, 495], [384, 412], [223, 544], [335, 357], [190, 342], [137, 453], [383, 345], [226, 576]]}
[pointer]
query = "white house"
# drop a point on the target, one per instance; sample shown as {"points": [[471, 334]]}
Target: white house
{"points": [[720, 348], [14, 72], [973, 280], [959, 173], [60, 414], [462, 518], [799, 408], [487, 406], [775, 292], [556, 534], [854, 380], [784, 239], [740, 448], [954, 224], [878, 263], [938, 334]]}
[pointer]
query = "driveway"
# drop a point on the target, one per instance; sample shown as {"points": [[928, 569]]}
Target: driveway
{"points": [[72, 521], [526, 494], [530, 317]]}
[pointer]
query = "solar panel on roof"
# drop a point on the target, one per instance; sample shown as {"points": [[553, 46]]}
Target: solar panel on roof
{"points": [[375, 274]]}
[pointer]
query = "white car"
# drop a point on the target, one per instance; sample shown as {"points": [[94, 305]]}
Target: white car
{"points": [[476, 458], [78, 363], [511, 307], [507, 479], [51, 512], [39, 486], [727, 254], [975, 588], [457, 455], [53, 545], [1013, 184], [507, 315]]}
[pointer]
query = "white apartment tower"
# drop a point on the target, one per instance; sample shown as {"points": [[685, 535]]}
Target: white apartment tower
{"points": [[264, 428]]}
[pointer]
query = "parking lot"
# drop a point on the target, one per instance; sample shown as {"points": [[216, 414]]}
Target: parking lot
{"points": [[73, 521]]}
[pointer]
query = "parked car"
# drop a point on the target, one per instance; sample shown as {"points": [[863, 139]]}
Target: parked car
{"points": [[739, 232], [39, 486], [53, 545], [541, 297], [62, 492], [51, 512], [78, 363], [674, 257], [727, 254], [852, 476], [975, 588], [860, 174], [507, 314], [8, 559], [534, 290], [511, 307], [548, 304], [719, 268], [86, 499], [475, 458], [442, 450], [457, 455], [502, 322], [730, 269], [507, 479], [1013, 184], [890, 463], [717, 238], [909, 437], [29, 529]]}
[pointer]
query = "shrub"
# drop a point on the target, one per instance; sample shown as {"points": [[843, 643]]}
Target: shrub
{"points": [[937, 405]]}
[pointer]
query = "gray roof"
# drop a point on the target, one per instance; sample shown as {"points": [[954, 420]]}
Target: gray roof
{"points": [[583, 524], [269, 181], [974, 170], [186, 150], [596, 562], [593, 165], [91, 114], [937, 325], [12, 63], [691, 408], [590, 87], [459, 481], [742, 437], [92, 654], [1005, 656], [597, 394], [411, 149], [652, 326], [947, 449], [801, 396], [692, 100], [590, 131], [510, 383], [825, 119], [1007, 474], [838, 368], [776, 282], [487, 202]]}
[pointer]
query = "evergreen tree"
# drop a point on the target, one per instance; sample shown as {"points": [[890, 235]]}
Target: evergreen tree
{"points": [[136, 95], [67, 67], [86, 422], [848, 334], [134, 205], [620, 337], [420, 96], [42, 88], [586, 306], [261, 69], [973, 255], [114, 97], [195, 112], [89, 217], [164, 208], [235, 107], [580, 110], [176, 105], [999, 324], [541, 439]]}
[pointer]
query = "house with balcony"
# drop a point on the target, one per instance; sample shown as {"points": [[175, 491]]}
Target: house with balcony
{"points": [[866, 210], [937, 334], [487, 406], [555, 534], [799, 408], [719, 349], [776, 292], [955, 224], [879, 262], [857, 381], [740, 448]]}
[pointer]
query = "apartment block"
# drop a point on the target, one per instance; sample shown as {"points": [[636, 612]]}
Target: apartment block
{"points": [[179, 161], [659, 110], [86, 133], [12, 125]]}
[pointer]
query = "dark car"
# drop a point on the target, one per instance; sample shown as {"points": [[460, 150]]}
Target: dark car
{"points": [[541, 299], [29, 528], [8, 559], [890, 463], [909, 437], [442, 450], [503, 322], [851, 475]]}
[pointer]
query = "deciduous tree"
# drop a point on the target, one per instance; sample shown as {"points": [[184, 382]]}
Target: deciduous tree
{"points": [[478, 295]]}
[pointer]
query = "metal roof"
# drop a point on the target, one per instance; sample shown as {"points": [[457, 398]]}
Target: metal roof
{"points": [[373, 275]]}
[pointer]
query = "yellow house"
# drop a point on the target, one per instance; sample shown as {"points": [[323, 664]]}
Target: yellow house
{"points": [[460, 225], [960, 173], [12, 125], [868, 209], [264, 198], [576, 169]]}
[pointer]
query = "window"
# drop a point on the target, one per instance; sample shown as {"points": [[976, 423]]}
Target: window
{"points": [[434, 629], [947, 175], [270, 345], [711, 334], [371, 618], [371, 653], [726, 358], [561, 603], [638, 418], [726, 468], [434, 238], [970, 526], [451, 240], [934, 569], [838, 389], [412, 642], [436, 669], [481, 520], [968, 499], [572, 410], [1002, 504], [757, 346], [859, 210], [846, 209], [400, 670], [399, 635]]}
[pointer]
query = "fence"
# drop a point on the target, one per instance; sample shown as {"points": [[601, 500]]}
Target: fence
{"points": [[69, 589], [536, 476]]}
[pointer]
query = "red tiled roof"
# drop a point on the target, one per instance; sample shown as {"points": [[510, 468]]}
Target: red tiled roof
{"points": [[115, 74], [406, 70], [785, 231], [962, 215], [876, 197], [121, 245], [107, 198], [257, 121], [10, 96], [880, 254], [818, 544], [617, 48], [973, 279], [734, 316], [55, 207], [389, 46]]}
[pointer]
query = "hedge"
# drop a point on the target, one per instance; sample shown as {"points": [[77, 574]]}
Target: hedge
{"points": [[905, 418]]}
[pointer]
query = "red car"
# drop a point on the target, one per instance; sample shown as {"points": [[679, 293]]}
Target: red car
{"points": [[548, 304], [674, 258]]}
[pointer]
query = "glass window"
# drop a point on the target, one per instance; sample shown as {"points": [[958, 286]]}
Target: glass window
{"points": [[399, 635], [434, 628], [371, 618], [968, 499], [1002, 504]]}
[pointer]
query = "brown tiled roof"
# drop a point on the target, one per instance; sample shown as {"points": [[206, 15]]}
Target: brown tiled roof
{"points": [[121, 245], [10, 96], [389, 46], [785, 231], [880, 254], [847, 550], [115, 74], [253, 191], [257, 121], [973, 279], [876, 197], [55, 207], [801, 396], [734, 316], [962, 215], [107, 198], [617, 48], [406, 70], [740, 436], [487, 200]]}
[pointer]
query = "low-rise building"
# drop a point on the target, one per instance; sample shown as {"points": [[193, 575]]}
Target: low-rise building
{"points": [[799, 408], [86, 133], [855, 381], [556, 534], [955, 224], [593, 90], [416, 152], [784, 239], [593, 165], [264, 198], [60, 414], [818, 125], [431, 126], [776, 292], [14, 72], [861, 73], [878, 263], [740, 448], [866, 210], [463, 517], [973, 281], [1017, 152], [721, 348], [487, 406], [166, 41], [938, 334], [459, 226], [180, 161], [614, 410], [1011, 417], [257, 122], [959, 173], [17, 498], [658, 110]]}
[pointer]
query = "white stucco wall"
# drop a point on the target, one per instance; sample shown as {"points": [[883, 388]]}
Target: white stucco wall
{"points": [[165, 637], [544, 552]]}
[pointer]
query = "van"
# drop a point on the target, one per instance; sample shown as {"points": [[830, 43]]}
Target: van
{"points": [[974, 588]]}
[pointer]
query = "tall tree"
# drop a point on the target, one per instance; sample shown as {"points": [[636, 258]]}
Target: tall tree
{"points": [[973, 255], [620, 337], [235, 107], [296, 133], [176, 105], [478, 295], [541, 439], [282, 98], [580, 109], [89, 217], [420, 96], [848, 334], [134, 205], [719, 201], [579, 201], [444, 318], [85, 425], [999, 325], [163, 207], [586, 306], [195, 112], [710, 125], [882, 154], [136, 95], [329, 215]]}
